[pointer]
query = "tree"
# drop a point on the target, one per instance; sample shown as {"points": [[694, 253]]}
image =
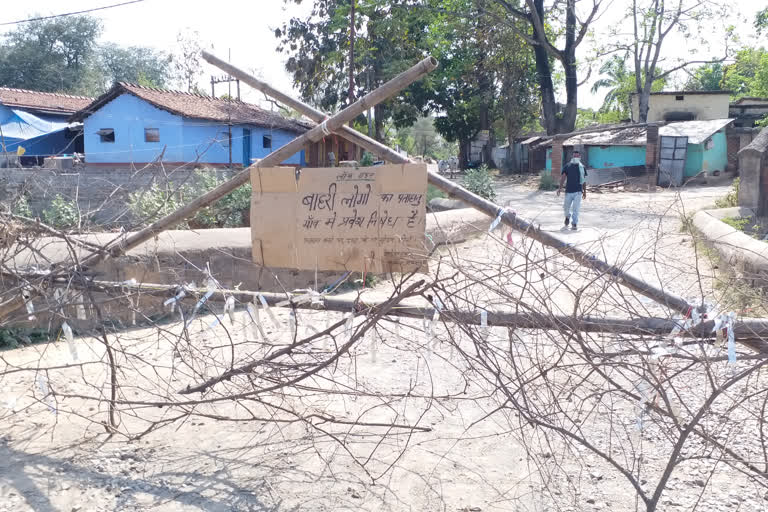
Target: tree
{"points": [[761, 20], [187, 62], [135, 64], [706, 78], [652, 23], [50, 55], [616, 79], [621, 84], [388, 39], [543, 27], [748, 74]]}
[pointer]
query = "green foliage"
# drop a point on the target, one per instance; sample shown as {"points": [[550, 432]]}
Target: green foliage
{"points": [[11, 338], [433, 193], [731, 199], [49, 55], [62, 55], [761, 20], [423, 139], [480, 181], [546, 181], [706, 78], [62, 213], [748, 75], [738, 223], [147, 206], [621, 84], [134, 64], [230, 211], [366, 160], [21, 207]]}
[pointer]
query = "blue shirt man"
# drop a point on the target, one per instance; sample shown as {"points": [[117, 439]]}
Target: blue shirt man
{"points": [[574, 177]]}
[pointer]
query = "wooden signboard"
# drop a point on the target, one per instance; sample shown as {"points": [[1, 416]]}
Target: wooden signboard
{"points": [[341, 218]]}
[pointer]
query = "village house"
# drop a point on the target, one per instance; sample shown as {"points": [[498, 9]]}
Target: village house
{"points": [[133, 124], [35, 124], [670, 106]]}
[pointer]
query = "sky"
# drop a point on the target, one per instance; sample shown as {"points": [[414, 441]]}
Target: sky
{"points": [[246, 29]]}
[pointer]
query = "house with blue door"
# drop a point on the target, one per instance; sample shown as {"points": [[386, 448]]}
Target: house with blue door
{"points": [[693, 146], [36, 124], [133, 124]]}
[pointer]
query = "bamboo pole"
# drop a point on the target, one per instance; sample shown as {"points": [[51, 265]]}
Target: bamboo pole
{"points": [[491, 209], [755, 330]]}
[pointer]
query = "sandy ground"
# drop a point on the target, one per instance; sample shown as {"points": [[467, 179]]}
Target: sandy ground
{"points": [[56, 456]]}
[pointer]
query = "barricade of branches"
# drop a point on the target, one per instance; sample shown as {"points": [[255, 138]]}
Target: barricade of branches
{"points": [[593, 384]]}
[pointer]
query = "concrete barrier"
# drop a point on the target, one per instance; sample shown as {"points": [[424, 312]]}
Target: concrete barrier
{"points": [[746, 256]]}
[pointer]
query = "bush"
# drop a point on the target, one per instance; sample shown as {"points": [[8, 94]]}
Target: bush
{"points": [[62, 213], [150, 205], [731, 199], [366, 160], [546, 181], [229, 211], [21, 207], [433, 193], [479, 181]]}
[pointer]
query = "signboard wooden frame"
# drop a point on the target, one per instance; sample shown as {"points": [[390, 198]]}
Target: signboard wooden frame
{"points": [[340, 218]]}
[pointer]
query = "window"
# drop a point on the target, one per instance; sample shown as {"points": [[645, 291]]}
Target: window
{"points": [[679, 98], [151, 134], [107, 134], [266, 141]]}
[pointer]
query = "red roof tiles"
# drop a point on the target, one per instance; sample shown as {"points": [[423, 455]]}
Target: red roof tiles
{"points": [[196, 106], [43, 102]]}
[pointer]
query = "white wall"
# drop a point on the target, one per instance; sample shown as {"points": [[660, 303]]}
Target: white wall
{"points": [[704, 107]]}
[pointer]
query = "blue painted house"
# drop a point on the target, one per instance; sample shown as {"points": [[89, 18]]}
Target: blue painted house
{"points": [[38, 122], [136, 124]]}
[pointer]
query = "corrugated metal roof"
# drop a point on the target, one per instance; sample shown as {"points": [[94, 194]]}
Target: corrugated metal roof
{"points": [[630, 136], [696, 131], [531, 140]]}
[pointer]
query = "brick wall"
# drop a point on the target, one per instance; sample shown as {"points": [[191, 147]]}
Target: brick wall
{"points": [[101, 191], [557, 155], [651, 155], [734, 145]]}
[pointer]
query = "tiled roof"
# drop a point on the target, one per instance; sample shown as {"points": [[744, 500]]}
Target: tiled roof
{"points": [[45, 102], [195, 106]]}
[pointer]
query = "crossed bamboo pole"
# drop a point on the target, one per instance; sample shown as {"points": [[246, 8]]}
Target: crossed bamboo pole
{"points": [[508, 218]]}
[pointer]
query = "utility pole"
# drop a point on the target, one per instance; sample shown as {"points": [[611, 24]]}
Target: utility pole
{"points": [[351, 94]]}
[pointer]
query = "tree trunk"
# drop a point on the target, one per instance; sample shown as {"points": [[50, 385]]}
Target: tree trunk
{"points": [[351, 94], [544, 78], [378, 123], [568, 121], [463, 156]]}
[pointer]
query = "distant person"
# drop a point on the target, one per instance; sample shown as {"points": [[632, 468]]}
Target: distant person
{"points": [[575, 178]]}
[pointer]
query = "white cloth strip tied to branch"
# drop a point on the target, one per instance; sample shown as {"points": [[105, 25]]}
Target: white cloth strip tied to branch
{"points": [[42, 385], [253, 312], [270, 314], [26, 297], [174, 300], [484, 329], [70, 340], [497, 220], [212, 286], [431, 337]]}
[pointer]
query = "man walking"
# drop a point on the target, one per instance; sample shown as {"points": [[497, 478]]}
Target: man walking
{"points": [[574, 176]]}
